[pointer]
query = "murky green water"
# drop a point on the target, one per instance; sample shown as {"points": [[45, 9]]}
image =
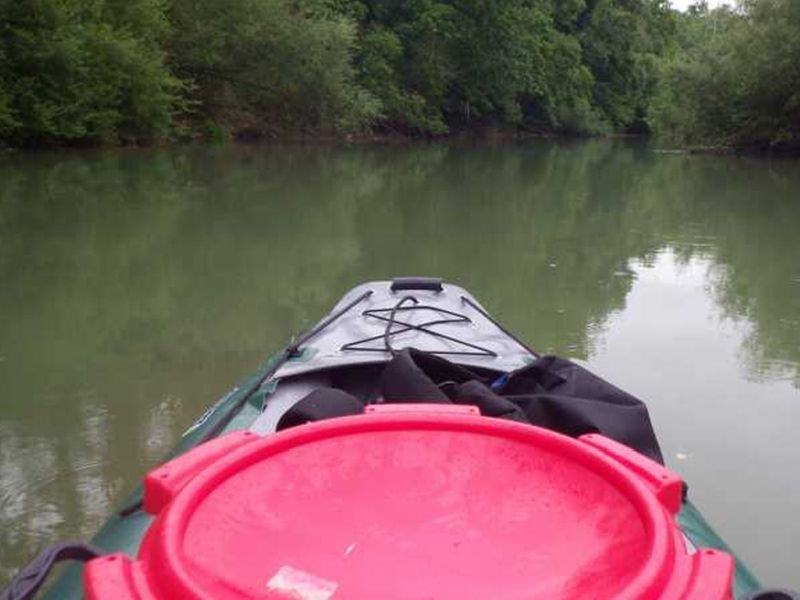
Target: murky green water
{"points": [[136, 286]]}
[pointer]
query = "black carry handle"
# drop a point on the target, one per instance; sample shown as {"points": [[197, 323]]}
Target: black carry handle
{"points": [[432, 284], [28, 581], [772, 594]]}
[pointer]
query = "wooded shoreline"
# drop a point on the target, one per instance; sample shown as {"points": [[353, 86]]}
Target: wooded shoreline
{"points": [[479, 136], [139, 72]]}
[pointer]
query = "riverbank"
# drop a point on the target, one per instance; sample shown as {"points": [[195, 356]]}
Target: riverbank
{"points": [[244, 70], [479, 135], [782, 150], [215, 70], [220, 136]]}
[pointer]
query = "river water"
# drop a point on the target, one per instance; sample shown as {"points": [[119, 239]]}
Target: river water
{"points": [[137, 285]]}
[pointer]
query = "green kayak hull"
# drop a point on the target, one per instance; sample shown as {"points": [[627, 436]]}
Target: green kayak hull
{"points": [[125, 533]]}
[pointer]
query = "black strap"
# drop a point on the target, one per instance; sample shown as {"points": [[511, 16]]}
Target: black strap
{"points": [[28, 581], [322, 403], [772, 594]]}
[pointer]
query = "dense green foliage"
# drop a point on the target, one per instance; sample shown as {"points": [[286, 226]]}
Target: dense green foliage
{"points": [[734, 77], [74, 71], [262, 66], [131, 70], [83, 70], [568, 65]]}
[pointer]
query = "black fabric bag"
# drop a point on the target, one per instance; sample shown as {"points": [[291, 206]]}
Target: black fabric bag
{"points": [[551, 392]]}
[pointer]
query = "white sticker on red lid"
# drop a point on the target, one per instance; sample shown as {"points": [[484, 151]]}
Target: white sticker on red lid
{"points": [[299, 585]]}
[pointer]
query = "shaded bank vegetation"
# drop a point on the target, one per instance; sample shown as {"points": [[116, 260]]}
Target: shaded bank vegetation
{"points": [[94, 71], [733, 77]]}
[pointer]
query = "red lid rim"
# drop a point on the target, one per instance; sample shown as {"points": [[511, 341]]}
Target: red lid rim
{"points": [[167, 548]]}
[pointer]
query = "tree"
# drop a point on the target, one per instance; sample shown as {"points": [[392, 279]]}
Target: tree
{"points": [[622, 40], [440, 65], [73, 70], [263, 67], [733, 77]]}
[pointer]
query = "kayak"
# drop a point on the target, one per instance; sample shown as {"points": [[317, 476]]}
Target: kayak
{"points": [[408, 446]]}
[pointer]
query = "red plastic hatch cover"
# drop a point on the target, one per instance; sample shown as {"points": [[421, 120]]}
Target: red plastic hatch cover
{"points": [[415, 503]]}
